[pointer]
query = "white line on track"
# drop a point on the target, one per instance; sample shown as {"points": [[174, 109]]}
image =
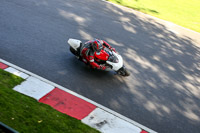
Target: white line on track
{"points": [[77, 95]]}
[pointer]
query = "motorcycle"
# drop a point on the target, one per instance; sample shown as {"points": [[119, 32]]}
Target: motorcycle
{"points": [[111, 59]]}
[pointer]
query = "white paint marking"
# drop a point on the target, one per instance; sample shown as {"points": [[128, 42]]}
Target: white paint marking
{"points": [[80, 96], [108, 123], [34, 87], [16, 72]]}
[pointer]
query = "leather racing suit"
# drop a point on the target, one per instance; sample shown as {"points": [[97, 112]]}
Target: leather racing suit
{"points": [[87, 54]]}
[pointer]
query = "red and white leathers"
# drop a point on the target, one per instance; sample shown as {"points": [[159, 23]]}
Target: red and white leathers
{"points": [[88, 54]]}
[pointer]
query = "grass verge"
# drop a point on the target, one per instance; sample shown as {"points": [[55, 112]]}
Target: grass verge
{"points": [[185, 13], [25, 114]]}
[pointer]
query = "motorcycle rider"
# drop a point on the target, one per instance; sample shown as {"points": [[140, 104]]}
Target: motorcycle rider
{"points": [[87, 52]]}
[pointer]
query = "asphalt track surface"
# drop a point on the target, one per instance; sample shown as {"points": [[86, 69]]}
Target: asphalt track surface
{"points": [[163, 91]]}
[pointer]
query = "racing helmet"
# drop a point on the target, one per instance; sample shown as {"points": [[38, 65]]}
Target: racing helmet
{"points": [[97, 45]]}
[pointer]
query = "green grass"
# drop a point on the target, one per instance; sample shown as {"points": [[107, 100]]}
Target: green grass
{"points": [[185, 13], [25, 114]]}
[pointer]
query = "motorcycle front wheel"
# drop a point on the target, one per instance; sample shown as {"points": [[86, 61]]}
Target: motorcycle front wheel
{"points": [[123, 71]]}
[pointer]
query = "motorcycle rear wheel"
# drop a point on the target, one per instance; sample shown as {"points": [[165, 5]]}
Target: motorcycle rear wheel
{"points": [[73, 51]]}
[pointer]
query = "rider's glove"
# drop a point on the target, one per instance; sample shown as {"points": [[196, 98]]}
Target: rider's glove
{"points": [[102, 67], [113, 49]]}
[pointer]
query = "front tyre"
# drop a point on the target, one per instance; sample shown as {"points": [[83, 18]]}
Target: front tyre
{"points": [[127, 73], [123, 71]]}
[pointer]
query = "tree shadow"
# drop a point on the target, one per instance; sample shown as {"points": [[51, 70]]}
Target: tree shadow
{"points": [[163, 90]]}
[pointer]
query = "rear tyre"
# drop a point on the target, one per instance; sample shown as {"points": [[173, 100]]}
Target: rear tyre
{"points": [[77, 54], [73, 51]]}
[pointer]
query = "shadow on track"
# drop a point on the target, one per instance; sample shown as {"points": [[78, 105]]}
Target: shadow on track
{"points": [[163, 90]]}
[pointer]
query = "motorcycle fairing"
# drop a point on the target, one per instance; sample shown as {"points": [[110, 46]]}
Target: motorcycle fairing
{"points": [[119, 64], [102, 55]]}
